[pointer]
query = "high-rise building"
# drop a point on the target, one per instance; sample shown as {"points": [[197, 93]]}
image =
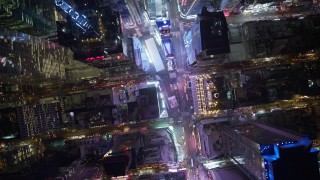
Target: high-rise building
{"points": [[229, 5], [300, 120], [271, 154], [210, 142], [34, 17], [156, 9], [35, 119], [93, 32], [126, 18], [97, 34], [267, 38], [33, 57], [208, 37], [12, 156], [122, 155], [194, 7], [245, 86]]}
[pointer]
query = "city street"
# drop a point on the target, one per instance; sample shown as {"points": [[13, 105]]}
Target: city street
{"points": [[177, 45], [137, 85], [184, 128]]}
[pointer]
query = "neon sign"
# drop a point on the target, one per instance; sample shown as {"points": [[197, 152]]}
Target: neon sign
{"points": [[95, 58], [102, 58]]}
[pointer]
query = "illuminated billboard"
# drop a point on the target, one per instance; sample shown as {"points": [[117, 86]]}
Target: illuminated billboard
{"points": [[163, 26]]}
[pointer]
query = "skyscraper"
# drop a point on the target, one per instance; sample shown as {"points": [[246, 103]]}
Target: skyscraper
{"points": [[193, 7], [155, 8], [268, 153], [208, 37], [229, 5], [93, 32], [34, 17], [35, 119], [29, 56]]}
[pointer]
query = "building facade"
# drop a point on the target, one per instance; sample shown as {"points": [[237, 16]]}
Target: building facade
{"points": [[229, 5], [11, 156], [240, 84], [35, 17], [155, 9], [265, 38], [30, 56], [265, 152], [194, 7], [211, 139], [35, 119], [207, 41]]}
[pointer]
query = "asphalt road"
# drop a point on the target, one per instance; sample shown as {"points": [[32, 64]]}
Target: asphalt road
{"points": [[177, 31]]}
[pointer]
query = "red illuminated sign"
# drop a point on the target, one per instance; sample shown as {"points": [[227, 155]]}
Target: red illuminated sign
{"points": [[226, 13], [102, 57], [95, 58]]}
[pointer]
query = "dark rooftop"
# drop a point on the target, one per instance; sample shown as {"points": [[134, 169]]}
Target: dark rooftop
{"points": [[230, 172], [214, 32], [262, 135], [148, 103]]}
